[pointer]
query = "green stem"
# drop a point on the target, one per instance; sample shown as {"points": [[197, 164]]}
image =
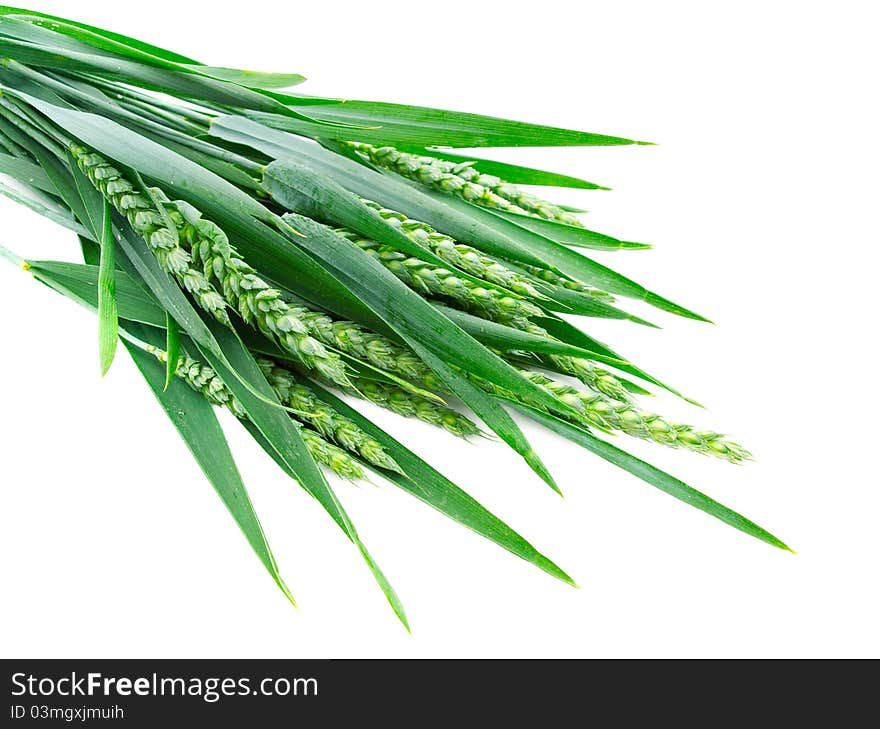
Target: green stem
{"points": [[110, 108], [14, 114], [195, 117]]}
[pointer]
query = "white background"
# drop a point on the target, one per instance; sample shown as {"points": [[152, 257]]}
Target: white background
{"points": [[761, 199]]}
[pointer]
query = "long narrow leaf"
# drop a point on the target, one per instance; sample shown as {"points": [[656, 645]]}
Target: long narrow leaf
{"points": [[404, 124], [25, 171], [381, 580], [388, 189], [151, 159], [652, 475], [506, 338], [566, 301], [53, 213], [571, 235], [282, 436], [304, 191], [431, 335], [301, 189], [191, 414], [98, 40], [562, 258], [561, 329], [241, 216], [249, 79], [81, 282], [64, 55], [197, 424], [431, 487], [122, 39], [108, 323]]}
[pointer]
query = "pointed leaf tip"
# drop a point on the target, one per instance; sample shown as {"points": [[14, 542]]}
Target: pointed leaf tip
{"points": [[665, 304], [283, 587], [196, 422], [644, 322], [560, 574], [653, 476], [537, 465]]}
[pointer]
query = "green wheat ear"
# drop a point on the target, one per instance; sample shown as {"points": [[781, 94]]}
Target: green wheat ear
{"points": [[462, 180], [409, 405], [430, 280], [603, 413], [324, 419], [256, 301], [461, 256], [151, 225], [202, 378]]}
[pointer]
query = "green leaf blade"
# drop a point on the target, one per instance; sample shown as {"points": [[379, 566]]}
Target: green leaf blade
{"points": [[431, 487], [26, 172], [571, 235], [488, 411], [196, 422], [405, 124], [654, 476], [405, 311], [80, 282], [172, 348], [249, 386], [250, 79], [108, 321]]}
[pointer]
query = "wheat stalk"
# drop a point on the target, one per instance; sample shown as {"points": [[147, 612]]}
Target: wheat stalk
{"points": [[554, 279], [410, 405], [336, 459], [150, 224], [471, 260], [430, 280], [361, 343], [456, 254], [601, 412], [204, 379], [324, 418], [463, 180], [256, 301], [594, 377]]}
